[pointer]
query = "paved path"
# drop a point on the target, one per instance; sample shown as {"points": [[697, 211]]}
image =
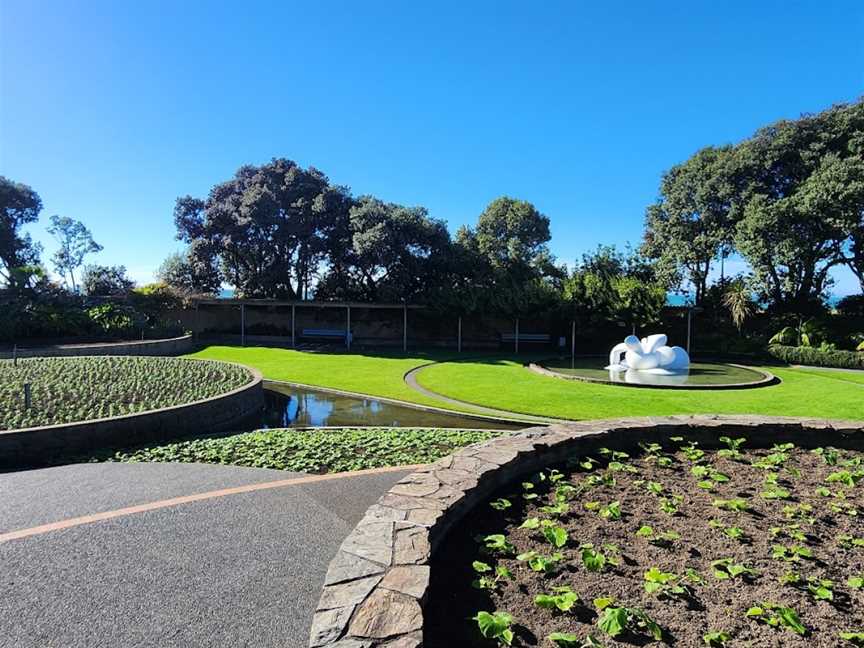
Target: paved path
{"points": [[240, 565]]}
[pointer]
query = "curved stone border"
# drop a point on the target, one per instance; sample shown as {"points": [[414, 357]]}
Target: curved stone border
{"points": [[39, 445], [767, 379], [376, 586], [164, 347]]}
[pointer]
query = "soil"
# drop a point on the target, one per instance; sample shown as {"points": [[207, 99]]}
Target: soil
{"points": [[708, 606]]}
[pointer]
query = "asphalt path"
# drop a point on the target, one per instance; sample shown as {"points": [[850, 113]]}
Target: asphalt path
{"points": [[236, 569]]}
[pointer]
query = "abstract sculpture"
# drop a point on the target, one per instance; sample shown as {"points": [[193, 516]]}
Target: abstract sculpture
{"points": [[650, 355]]}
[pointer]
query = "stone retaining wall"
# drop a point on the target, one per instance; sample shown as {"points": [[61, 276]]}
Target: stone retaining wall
{"points": [[40, 445], [166, 347], [376, 586]]}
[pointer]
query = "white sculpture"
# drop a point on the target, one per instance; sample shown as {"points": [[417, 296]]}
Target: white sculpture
{"points": [[650, 355]]}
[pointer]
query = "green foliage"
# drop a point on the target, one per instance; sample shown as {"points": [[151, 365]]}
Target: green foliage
{"points": [[816, 357], [495, 625], [76, 389]]}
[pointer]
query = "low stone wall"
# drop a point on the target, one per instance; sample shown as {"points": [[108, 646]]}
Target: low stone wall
{"points": [[40, 445], [376, 586], [166, 347]]}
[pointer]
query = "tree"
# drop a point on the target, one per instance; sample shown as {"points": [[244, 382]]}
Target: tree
{"points": [[179, 273], [692, 223], [19, 205], [266, 229], [738, 300], [103, 281], [395, 253], [76, 242], [790, 229]]}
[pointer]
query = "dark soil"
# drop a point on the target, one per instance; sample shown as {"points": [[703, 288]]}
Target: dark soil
{"points": [[708, 604]]}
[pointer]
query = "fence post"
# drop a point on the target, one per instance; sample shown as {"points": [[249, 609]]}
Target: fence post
{"points": [[516, 337]]}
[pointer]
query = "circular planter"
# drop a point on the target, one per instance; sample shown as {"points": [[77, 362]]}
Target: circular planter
{"points": [[376, 587], [34, 446]]}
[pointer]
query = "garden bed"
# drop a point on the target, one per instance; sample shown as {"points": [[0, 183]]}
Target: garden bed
{"points": [[319, 450], [676, 545], [67, 390]]}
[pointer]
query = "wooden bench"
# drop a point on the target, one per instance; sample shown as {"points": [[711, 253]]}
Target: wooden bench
{"points": [[338, 334], [527, 337]]}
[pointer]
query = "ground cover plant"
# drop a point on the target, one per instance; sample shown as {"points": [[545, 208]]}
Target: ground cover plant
{"points": [[312, 450], [675, 545], [64, 390]]}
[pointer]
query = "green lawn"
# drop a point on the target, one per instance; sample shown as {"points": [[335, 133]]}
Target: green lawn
{"points": [[505, 384], [501, 382], [378, 375]]}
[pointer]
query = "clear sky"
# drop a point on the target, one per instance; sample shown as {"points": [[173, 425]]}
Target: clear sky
{"points": [[112, 109]]}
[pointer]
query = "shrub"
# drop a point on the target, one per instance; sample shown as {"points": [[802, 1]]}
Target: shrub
{"points": [[817, 357]]}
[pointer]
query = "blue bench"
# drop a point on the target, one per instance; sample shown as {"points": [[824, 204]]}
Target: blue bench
{"points": [[527, 337]]}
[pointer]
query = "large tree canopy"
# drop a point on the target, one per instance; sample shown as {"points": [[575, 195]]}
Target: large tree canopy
{"points": [[691, 225], [265, 229], [394, 253], [19, 205]]}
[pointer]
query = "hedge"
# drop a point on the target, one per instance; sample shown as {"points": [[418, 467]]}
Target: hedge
{"points": [[815, 357]]}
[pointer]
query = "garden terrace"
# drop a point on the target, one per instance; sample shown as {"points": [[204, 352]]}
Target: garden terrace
{"points": [[759, 492]]}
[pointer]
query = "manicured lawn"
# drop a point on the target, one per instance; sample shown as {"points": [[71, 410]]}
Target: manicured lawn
{"points": [[378, 375], [505, 384], [318, 451]]}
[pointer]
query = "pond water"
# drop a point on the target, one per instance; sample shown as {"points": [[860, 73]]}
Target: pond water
{"points": [[699, 373], [287, 406]]}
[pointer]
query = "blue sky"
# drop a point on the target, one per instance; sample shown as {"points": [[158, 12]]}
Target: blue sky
{"points": [[110, 110]]}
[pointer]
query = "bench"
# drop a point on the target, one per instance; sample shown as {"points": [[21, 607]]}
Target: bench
{"points": [[338, 334], [527, 337]]}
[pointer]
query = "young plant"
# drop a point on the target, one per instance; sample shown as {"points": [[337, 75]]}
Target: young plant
{"points": [[495, 625], [543, 564], [717, 639], [665, 584], [777, 616], [615, 621], [485, 580], [726, 568], [563, 599], [663, 539]]}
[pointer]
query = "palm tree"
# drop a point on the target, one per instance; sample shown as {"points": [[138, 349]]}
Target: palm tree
{"points": [[737, 300]]}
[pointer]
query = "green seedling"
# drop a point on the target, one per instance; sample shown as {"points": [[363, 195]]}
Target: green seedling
{"points": [[543, 564], [853, 637], [670, 505], [611, 511], [485, 580], [660, 539], [501, 504], [556, 536], [495, 625], [595, 561], [732, 449], [821, 589], [562, 600], [736, 504], [726, 568], [717, 639], [497, 544], [663, 583], [792, 553], [615, 621], [777, 616]]}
